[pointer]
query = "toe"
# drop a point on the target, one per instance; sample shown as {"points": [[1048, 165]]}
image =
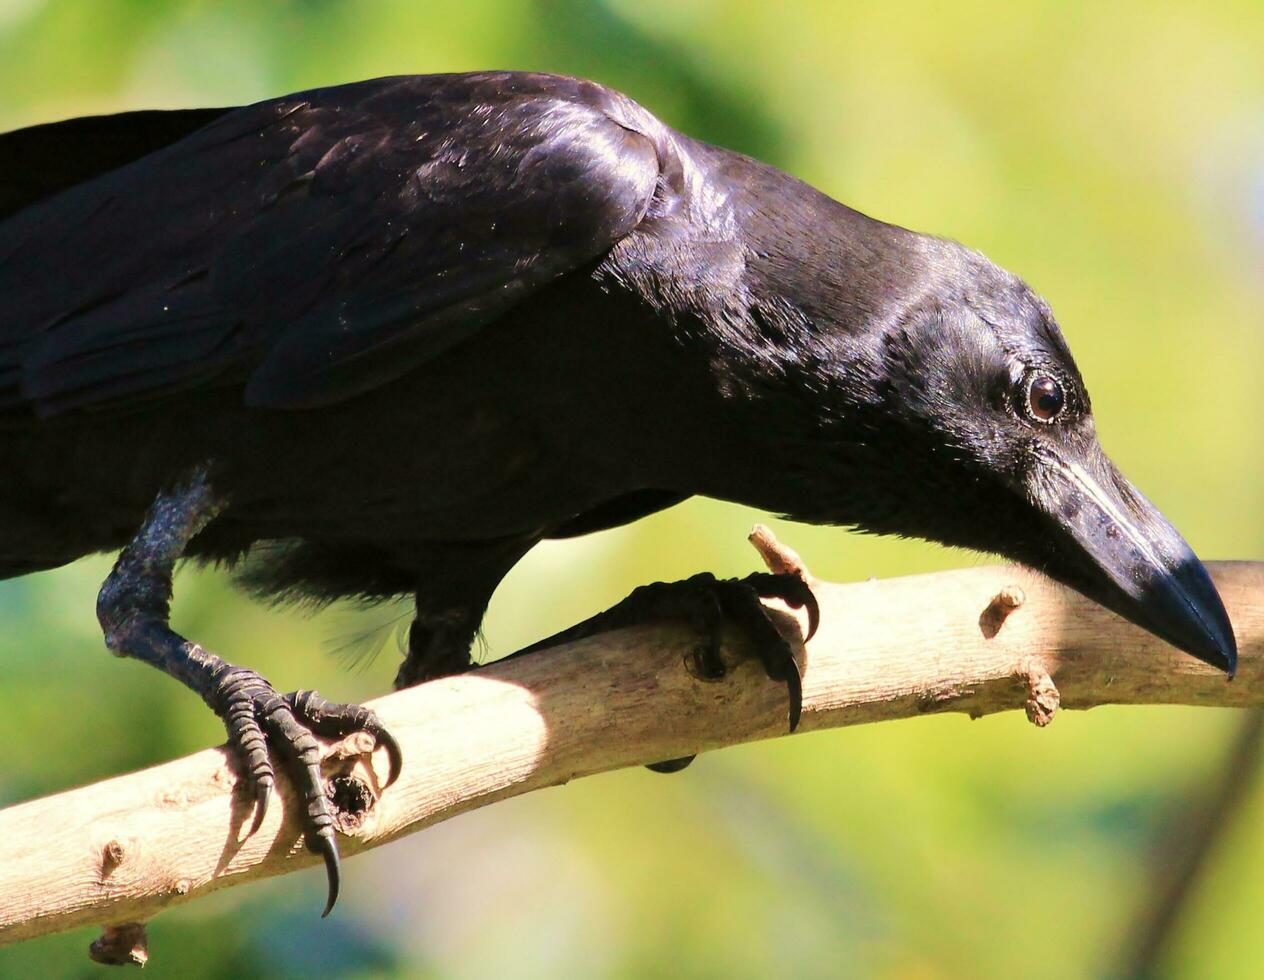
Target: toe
{"points": [[331, 720], [705, 615], [300, 751], [237, 692], [744, 608]]}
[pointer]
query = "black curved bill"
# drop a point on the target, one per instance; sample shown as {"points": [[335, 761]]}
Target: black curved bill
{"points": [[1130, 559]]}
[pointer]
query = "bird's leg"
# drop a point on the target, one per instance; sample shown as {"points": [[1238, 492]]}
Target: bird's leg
{"points": [[706, 603], [134, 608], [450, 604], [439, 645]]}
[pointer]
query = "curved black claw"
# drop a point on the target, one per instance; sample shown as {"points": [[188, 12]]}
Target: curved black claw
{"points": [[333, 873], [790, 589], [331, 719], [256, 716], [263, 793]]}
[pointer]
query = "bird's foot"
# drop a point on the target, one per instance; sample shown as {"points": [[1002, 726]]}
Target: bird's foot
{"points": [[133, 608], [707, 604], [257, 717]]}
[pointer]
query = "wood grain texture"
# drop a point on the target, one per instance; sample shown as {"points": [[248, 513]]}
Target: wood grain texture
{"points": [[976, 641]]}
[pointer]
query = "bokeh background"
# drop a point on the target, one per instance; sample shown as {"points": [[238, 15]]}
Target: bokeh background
{"points": [[1113, 154]]}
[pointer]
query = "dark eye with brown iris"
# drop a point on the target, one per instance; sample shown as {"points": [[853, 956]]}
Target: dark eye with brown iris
{"points": [[1045, 398]]}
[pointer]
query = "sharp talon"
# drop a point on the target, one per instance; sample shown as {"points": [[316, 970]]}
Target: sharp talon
{"points": [[794, 591], [263, 793], [802, 597], [814, 615], [328, 849], [794, 683], [393, 752]]}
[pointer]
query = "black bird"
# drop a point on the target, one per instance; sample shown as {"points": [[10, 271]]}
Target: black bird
{"points": [[382, 338]]}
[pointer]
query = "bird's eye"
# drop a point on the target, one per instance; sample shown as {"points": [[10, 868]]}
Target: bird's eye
{"points": [[1045, 398]]}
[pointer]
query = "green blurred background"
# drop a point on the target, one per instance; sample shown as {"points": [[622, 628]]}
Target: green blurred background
{"points": [[1112, 154]]}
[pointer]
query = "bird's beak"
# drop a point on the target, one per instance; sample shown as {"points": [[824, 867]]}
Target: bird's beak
{"points": [[1120, 551]]}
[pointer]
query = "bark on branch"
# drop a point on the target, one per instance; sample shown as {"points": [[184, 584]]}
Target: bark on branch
{"points": [[975, 641]]}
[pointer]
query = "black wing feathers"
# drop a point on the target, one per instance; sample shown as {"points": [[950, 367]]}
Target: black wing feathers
{"points": [[316, 246], [39, 161]]}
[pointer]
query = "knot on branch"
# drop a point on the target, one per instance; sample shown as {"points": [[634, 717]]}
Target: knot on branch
{"points": [[115, 853], [351, 799], [1003, 603], [1043, 699], [350, 782]]}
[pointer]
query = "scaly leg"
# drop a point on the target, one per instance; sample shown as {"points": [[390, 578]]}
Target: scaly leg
{"points": [[134, 609], [451, 602]]}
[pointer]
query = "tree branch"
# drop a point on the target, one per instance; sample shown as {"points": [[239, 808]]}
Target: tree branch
{"points": [[975, 641]]}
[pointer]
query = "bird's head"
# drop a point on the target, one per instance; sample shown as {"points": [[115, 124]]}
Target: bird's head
{"points": [[979, 425]]}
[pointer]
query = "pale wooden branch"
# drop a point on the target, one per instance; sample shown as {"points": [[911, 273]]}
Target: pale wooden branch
{"points": [[973, 641]]}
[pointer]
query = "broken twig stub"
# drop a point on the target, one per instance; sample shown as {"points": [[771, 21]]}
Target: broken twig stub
{"points": [[1003, 603], [1043, 699], [780, 559]]}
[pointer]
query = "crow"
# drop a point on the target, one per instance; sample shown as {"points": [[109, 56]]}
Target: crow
{"points": [[380, 339]]}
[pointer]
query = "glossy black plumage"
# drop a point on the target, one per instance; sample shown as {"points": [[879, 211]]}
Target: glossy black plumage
{"points": [[320, 246], [407, 328]]}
